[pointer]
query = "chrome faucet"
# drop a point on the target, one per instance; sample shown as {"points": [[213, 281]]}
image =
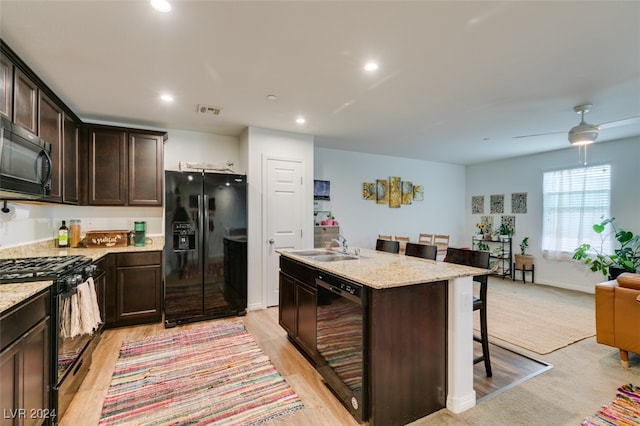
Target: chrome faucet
{"points": [[342, 242]]}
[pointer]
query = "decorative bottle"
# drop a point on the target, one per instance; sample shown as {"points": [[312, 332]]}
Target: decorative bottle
{"points": [[63, 235]]}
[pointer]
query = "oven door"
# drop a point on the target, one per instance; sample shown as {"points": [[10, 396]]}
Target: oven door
{"points": [[72, 349], [341, 345]]}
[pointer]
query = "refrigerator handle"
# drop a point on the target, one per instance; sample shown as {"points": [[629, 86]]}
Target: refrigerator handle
{"points": [[204, 212]]}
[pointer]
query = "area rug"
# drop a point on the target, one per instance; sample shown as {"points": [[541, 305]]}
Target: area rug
{"points": [[541, 320], [623, 411], [212, 374]]}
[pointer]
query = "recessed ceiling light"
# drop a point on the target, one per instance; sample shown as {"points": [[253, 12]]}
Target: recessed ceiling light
{"points": [[167, 98], [161, 5], [300, 120], [371, 66], [272, 97]]}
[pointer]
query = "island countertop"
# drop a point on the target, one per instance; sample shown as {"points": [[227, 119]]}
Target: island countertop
{"points": [[382, 270]]}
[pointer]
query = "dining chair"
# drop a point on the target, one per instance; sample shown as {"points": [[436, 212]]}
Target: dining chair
{"points": [[425, 238], [384, 237], [403, 242], [426, 251], [442, 242], [388, 246], [478, 259]]}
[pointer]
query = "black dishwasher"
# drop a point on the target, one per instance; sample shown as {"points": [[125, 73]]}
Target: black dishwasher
{"points": [[342, 340]]}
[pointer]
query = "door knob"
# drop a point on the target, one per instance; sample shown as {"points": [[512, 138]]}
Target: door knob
{"points": [[271, 241]]}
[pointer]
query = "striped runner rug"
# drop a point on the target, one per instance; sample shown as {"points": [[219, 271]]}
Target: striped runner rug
{"points": [[623, 411], [213, 374]]}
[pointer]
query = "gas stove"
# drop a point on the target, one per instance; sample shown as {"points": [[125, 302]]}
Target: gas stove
{"points": [[55, 268]]}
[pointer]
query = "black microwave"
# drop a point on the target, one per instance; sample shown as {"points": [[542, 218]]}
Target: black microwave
{"points": [[25, 163]]}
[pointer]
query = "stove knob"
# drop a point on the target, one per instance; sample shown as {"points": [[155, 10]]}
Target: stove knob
{"points": [[90, 269], [78, 278], [70, 282]]}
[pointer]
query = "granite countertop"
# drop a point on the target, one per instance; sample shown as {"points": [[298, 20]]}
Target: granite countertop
{"points": [[382, 270], [12, 294]]}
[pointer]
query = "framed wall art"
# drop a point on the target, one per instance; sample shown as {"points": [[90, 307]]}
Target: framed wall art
{"points": [[477, 204], [382, 191], [407, 192], [518, 202], [395, 192], [369, 191], [497, 204]]}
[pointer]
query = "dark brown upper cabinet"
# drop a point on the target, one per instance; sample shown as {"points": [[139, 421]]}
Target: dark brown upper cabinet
{"points": [[107, 184], [25, 101], [146, 169], [6, 86], [50, 124], [70, 156], [125, 167]]}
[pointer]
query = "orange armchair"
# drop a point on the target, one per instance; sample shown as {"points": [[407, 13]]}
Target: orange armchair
{"points": [[618, 314]]}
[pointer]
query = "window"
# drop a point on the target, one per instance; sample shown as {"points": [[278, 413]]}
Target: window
{"points": [[573, 201]]}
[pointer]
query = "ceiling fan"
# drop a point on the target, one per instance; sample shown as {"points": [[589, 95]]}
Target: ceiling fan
{"points": [[585, 133]]}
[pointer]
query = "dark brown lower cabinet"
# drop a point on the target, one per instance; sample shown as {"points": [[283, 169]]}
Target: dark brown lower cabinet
{"points": [[405, 353], [298, 298], [25, 363], [133, 293]]}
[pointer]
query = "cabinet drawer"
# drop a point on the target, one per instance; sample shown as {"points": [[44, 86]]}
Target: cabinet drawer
{"points": [[139, 259], [298, 270], [18, 322]]}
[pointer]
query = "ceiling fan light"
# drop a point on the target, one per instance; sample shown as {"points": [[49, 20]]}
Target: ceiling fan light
{"points": [[583, 134]]}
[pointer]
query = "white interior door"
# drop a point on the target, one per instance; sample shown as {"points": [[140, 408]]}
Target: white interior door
{"points": [[284, 218]]}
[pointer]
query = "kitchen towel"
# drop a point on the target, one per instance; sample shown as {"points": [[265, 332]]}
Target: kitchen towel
{"points": [[89, 312]]}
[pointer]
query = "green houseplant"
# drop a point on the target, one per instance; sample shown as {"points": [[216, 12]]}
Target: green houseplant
{"points": [[625, 258], [524, 261]]}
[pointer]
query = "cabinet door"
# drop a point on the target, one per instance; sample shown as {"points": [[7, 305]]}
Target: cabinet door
{"points": [[36, 373], [307, 297], [50, 125], [25, 377], [107, 167], [70, 169], [145, 170], [287, 306], [6, 86], [139, 295], [10, 396], [25, 101]]}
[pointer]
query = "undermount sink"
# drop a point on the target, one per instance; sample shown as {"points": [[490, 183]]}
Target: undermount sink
{"points": [[333, 257], [311, 252]]}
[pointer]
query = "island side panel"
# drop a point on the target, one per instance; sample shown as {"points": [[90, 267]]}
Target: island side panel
{"points": [[408, 352], [461, 396]]}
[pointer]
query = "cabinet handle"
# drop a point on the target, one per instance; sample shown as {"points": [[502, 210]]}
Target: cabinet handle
{"points": [[271, 241]]}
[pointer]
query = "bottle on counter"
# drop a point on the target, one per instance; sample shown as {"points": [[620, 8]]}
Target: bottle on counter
{"points": [[74, 233], [63, 235]]}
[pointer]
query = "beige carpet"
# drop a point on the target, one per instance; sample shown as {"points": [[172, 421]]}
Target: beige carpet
{"points": [[541, 323]]}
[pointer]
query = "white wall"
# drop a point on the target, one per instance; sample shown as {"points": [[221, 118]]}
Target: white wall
{"points": [[258, 144], [200, 147], [524, 174], [442, 211]]}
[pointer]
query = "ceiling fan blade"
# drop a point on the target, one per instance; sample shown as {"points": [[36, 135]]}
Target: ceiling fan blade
{"points": [[538, 134], [618, 123]]}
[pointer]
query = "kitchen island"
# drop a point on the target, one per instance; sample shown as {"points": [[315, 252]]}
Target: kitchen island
{"points": [[418, 329]]}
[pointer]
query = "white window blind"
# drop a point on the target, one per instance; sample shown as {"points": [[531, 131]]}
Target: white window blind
{"points": [[573, 201]]}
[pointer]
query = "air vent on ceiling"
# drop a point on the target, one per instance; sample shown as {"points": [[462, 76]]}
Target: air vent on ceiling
{"points": [[208, 109]]}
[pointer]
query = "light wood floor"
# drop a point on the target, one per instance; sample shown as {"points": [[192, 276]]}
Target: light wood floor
{"points": [[320, 406]]}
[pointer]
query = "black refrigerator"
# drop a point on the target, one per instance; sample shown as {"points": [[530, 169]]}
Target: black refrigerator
{"points": [[205, 268]]}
